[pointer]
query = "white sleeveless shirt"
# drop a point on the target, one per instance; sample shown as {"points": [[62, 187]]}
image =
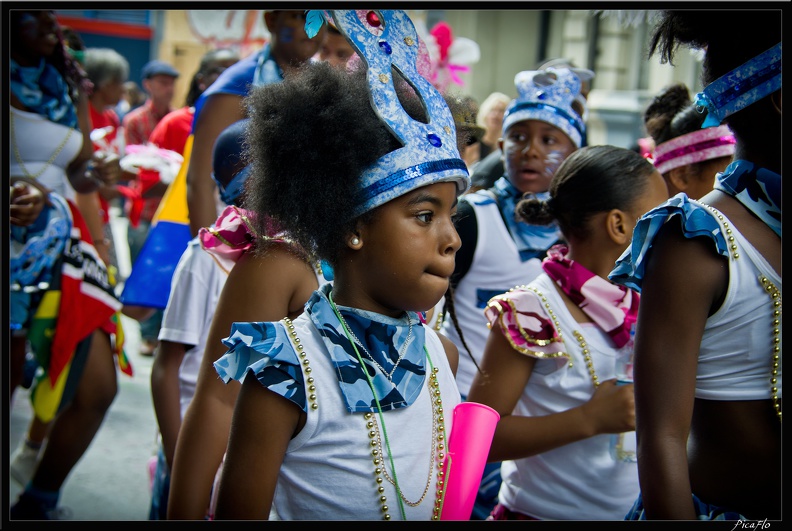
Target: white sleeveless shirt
{"points": [[328, 470]]}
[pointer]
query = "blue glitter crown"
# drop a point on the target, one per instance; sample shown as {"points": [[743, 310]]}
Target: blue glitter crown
{"points": [[547, 95], [430, 152]]}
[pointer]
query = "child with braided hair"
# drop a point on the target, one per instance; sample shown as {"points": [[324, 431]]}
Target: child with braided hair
{"points": [[550, 362], [686, 155]]}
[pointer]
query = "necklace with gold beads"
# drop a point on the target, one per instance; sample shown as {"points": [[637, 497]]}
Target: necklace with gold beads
{"points": [[373, 423]]}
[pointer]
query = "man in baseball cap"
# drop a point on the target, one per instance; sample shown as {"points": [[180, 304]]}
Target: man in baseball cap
{"points": [[157, 68]]}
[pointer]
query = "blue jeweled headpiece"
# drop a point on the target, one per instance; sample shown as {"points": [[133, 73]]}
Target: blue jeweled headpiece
{"points": [[430, 151], [746, 84], [547, 95]]}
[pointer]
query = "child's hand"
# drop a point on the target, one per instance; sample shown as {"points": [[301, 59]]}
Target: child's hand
{"points": [[612, 407], [107, 167], [26, 203]]}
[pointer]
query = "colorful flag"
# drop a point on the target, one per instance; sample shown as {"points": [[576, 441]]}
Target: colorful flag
{"points": [[78, 301], [149, 282]]}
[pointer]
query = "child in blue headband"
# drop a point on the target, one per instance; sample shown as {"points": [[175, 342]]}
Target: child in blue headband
{"points": [[344, 412], [708, 373]]}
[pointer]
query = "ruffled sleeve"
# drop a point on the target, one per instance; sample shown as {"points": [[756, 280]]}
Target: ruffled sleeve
{"points": [[525, 322], [696, 220], [265, 350]]}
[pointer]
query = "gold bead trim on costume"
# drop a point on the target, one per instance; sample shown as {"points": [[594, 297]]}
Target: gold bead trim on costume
{"points": [[580, 339], [775, 299], [18, 155], [727, 229], [310, 388]]}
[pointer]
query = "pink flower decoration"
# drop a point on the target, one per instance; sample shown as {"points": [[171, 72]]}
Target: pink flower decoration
{"points": [[231, 236]]}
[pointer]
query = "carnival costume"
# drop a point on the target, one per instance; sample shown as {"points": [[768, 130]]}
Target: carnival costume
{"points": [[740, 354], [572, 359], [365, 381]]}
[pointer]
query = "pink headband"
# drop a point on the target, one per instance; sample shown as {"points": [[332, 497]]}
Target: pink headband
{"points": [[704, 144]]}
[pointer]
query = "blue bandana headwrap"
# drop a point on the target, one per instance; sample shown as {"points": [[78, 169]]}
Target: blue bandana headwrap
{"points": [[226, 158], [746, 84], [547, 95], [430, 153]]}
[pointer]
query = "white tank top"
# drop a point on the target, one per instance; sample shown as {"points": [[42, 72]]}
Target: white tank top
{"points": [[328, 470], [579, 480], [736, 349]]}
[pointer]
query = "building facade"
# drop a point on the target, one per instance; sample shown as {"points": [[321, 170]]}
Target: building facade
{"points": [[612, 44]]}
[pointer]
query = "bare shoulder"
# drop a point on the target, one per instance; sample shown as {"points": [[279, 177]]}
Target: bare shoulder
{"points": [[451, 350]]}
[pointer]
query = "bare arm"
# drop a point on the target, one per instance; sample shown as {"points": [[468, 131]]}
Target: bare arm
{"points": [[258, 288], [165, 393], [263, 424], [675, 302], [506, 372], [89, 207], [219, 111]]}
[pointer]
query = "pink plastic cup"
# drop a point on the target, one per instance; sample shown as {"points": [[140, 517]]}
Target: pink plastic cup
{"points": [[468, 446]]}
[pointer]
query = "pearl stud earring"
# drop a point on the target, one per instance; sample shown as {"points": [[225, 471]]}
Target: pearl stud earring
{"points": [[355, 241]]}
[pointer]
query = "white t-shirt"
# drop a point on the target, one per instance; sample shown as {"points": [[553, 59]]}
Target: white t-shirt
{"points": [[195, 291]]}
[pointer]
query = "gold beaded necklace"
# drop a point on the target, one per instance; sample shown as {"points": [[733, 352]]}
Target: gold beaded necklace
{"points": [[18, 155], [580, 339], [436, 457]]}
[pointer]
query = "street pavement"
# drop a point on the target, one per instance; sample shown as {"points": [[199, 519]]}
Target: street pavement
{"points": [[111, 481]]}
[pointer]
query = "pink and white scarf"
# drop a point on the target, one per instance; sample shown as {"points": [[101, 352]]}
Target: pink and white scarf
{"points": [[612, 307]]}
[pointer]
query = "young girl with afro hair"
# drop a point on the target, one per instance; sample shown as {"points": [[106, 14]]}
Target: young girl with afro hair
{"points": [[344, 411]]}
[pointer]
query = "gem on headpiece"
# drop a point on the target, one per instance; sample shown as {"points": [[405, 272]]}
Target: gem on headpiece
{"points": [[385, 47], [429, 152], [748, 83], [373, 19]]}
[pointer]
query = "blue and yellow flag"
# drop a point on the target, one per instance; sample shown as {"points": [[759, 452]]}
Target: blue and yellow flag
{"points": [[150, 279], [149, 282]]}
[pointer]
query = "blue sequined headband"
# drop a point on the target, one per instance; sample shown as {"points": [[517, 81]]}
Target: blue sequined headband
{"points": [[547, 95], [741, 87], [430, 152]]}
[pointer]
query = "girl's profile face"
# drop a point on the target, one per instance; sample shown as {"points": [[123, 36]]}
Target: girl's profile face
{"points": [[532, 152], [656, 193], [409, 249]]}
